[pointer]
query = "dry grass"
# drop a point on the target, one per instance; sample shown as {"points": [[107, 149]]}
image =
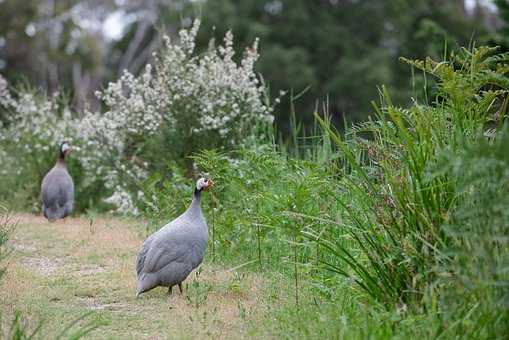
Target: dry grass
{"points": [[59, 271]]}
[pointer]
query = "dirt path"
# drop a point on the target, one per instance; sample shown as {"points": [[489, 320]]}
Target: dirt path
{"points": [[60, 271]]}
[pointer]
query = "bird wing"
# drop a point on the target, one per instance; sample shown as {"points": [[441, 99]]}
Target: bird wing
{"points": [[142, 255], [66, 192], [48, 189], [177, 247]]}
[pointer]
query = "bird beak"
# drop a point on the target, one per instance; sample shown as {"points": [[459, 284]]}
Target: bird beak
{"points": [[211, 184]]}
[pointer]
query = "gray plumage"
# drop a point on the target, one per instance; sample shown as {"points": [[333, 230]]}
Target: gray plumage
{"points": [[169, 255], [57, 189]]}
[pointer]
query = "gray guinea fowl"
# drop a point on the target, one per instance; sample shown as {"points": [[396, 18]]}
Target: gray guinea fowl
{"points": [[169, 255], [57, 188]]}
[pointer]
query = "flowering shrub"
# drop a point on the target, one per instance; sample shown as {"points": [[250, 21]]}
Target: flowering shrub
{"points": [[184, 103], [209, 95], [6, 100]]}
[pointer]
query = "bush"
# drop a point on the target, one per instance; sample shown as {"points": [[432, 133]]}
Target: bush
{"points": [[185, 103], [30, 136]]}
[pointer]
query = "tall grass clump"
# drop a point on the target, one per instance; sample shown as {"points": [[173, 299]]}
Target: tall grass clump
{"points": [[399, 210]]}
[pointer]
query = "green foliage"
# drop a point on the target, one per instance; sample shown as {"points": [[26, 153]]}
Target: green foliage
{"points": [[7, 226], [338, 48], [77, 329], [254, 204], [409, 207], [163, 197], [19, 330], [475, 263], [396, 209]]}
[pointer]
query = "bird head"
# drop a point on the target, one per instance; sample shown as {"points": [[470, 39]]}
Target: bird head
{"points": [[204, 184], [65, 148]]}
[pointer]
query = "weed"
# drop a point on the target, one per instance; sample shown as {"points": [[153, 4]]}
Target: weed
{"points": [[197, 293]]}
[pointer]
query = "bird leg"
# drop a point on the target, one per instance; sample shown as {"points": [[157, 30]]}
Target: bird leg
{"points": [[180, 287], [170, 289]]}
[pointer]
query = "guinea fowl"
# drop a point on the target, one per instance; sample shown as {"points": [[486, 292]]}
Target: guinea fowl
{"points": [[169, 255], [58, 188]]}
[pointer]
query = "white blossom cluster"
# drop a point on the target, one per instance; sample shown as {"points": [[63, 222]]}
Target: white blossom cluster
{"points": [[6, 100], [210, 90], [204, 92], [122, 200], [35, 123], [135, 106]]}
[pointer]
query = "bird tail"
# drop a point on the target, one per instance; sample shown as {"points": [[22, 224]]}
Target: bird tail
{"points": [[56, 211], [51, 213], [146, 282]]}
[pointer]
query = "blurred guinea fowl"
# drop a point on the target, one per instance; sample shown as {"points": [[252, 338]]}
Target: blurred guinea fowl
{"points": [[169, 255], [58, 188]]}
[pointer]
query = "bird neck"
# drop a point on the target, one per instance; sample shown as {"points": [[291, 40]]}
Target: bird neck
{"points": [[195, 203], [61, 159], [197, 196]]}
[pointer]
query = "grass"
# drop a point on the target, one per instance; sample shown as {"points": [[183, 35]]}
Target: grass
{"points": [[61, 271]]}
